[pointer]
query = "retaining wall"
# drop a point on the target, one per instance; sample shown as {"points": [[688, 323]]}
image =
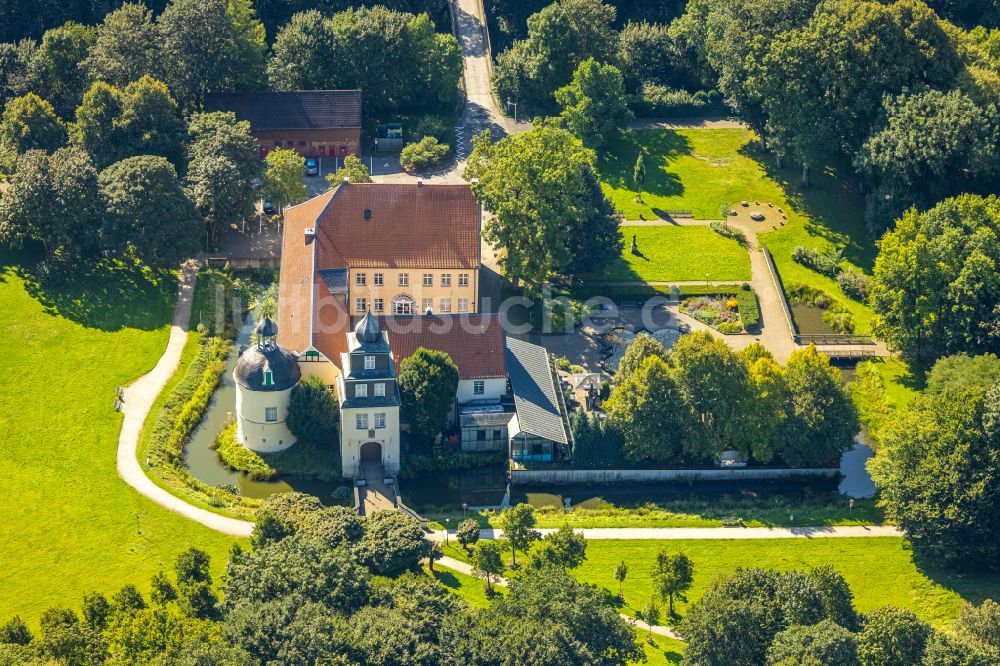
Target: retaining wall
{"points": [[598, 476], [773, 270]]}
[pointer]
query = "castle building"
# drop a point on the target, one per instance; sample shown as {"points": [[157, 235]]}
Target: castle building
{"points": [[265, 375]]}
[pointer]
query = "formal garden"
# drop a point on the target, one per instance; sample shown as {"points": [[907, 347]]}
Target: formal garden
{"points": [[75, 341], [678, 253]]}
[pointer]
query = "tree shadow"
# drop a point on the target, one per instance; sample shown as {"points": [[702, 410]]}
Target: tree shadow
{"points": [[972, 585], [834, 209], [108, 296], [616, 163]]}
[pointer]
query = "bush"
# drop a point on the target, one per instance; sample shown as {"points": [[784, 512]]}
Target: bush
{"points": [[803, 294], [313, 412], [307, 460], [236, 456], [414, 464], [840, 319], [729, 327], [435, 126], [825, 262], [749, 309], [854, 285], [723, 229], [658, 100], [423, 154]]}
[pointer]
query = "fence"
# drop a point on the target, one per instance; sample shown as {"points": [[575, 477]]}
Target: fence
{"points": [[603, 476], [834, 339], [785, 308]]}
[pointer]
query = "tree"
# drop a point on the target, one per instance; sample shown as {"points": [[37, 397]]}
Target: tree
{"points": [[216, 188], [650, 614], [594, 445], [393, 543], [97, 610], [313, 412], [621, 571], [650, 413], [423, 154], [542, 197], [838, 600], [945, 650], [892, 637], [14, 61], [434, 552], [563, 548], [981, 623], [428, 382], [517, 524], [648, 54], [30, 123], [283, 181], [302, 54], [354, 170], [127, 601], [194, 584], [766, 410], [936, 281], [96, 129], [487, 562], [821, 421], [148, 212], [931, 146], [824, 643], [936, 468], [642, 347], [15, 632], [150, 122], [593, 104], [639, 176], [467, 533], [56, 67], [163, 591], [673, 578], [54, 199], [125, 47], [249, 45]]}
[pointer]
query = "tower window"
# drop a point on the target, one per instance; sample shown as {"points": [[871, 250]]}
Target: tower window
{"points": [[361, 390], [380, 420], [368, 213], [361, 421], [271, 414], [369, 362], [380, 390], [268, 378]]}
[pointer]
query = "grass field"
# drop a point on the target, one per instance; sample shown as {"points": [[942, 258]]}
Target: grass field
{"points": [[702, 170], [69, 524], [678, 253], [879, 570]]}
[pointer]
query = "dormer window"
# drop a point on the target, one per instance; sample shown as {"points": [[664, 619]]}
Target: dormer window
{"points": [[268, 378], [369, 362], [368, 213]]}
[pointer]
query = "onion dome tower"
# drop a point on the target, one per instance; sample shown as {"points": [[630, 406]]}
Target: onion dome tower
{"points": [[265, 375]]}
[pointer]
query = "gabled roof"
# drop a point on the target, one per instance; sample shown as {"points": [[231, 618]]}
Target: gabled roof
{"points": [[474, 341], [293, 109], [407, 226], [534, 391]]}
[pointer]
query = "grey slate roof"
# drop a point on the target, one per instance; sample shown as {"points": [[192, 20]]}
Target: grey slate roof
{"points": [[335, 279], [294, 109], [283, 364], [534, 390]]}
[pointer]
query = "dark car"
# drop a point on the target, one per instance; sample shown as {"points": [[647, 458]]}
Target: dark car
{"points": [[312, 166], [269, 207]]}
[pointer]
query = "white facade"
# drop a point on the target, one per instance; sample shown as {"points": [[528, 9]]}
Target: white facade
{"points": [[494, 388], [352, 438], [261, 419]]}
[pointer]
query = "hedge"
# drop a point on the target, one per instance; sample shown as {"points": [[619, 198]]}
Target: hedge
{"points": [[746, 300], [643, 292], [416, 464], [238, 457]]}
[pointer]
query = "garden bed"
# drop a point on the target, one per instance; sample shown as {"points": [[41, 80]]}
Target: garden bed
{"points": [[719, 312]]}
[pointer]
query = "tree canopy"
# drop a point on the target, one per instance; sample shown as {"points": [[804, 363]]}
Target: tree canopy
{"points": [[428, 383]]}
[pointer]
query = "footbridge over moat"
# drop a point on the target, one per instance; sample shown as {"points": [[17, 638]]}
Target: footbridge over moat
{"points": [[375, 491]]}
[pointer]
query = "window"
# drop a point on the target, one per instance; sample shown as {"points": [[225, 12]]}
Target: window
{"points": [[361, 390], [378, 305], [479, 387], [369, 362], [377, 279], [445, 305], [380, 419], [268, 378], [445, 279], [361, 279], [404, 279], [463, 305], [359, 305], [427, 304], [380, 390], [497, 434], [271, 414], [463, 279], [428, 279], [361, 421], [481, 435], [302, 143], [289, 143], [402, 305], [368, 213]]}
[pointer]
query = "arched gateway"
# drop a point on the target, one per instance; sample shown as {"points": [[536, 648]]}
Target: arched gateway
{"points": [[371, 453]]}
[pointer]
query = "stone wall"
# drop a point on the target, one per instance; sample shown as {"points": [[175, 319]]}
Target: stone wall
{"points": [[599, 476]]}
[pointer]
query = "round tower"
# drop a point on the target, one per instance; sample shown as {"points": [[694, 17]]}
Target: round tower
{"points": [[265, 375]]}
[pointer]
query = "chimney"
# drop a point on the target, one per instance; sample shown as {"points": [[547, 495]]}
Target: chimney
{"points": [[427, 310], [420, 182], [474, 181], [346, 180], [310, 234]]}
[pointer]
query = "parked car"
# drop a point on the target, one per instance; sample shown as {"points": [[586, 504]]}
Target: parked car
{"points": [[269, 207], [312, 166]]}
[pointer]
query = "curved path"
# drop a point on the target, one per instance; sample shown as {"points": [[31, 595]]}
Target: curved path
{"points": [[139, 398]]}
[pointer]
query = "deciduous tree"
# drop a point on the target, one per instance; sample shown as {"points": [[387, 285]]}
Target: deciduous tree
{"points": [[125, 48], [650, 411], [30, 123], [518, 526], [892, 637], [428, 382], [313, 412], [56, 69], [593, 103], [283, 182], [673, 577], [487, 561]]}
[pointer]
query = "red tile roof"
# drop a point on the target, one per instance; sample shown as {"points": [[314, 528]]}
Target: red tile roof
{"points": [[296, 284], [475, 342], [410, 226]]}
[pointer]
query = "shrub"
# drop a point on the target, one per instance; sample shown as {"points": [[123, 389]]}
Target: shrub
{"points": [[423, 154], [658, 100], [313, 412], [746, 303], [854, 285], [803, 294], [563, 363], [730, 327], [236, 456], [723, 229], [414, 464], [825, 262], [429, 125], [840, 319]]}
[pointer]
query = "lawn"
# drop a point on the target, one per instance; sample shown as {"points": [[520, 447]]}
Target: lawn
{"points": [[671, 253], [70, 525], [880, 570], [702, 170]]}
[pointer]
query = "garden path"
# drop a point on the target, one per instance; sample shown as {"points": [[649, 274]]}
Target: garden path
{"points": [[139, 399], [463, 567]]}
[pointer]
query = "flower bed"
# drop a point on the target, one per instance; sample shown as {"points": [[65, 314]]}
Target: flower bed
{"points": [[720, 312]]}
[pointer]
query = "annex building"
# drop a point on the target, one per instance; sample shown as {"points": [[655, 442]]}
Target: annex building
{"points": [[370, 272]]}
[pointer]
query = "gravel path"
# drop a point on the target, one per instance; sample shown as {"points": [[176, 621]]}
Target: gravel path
{"points": [[463, 567], [139, 398]]}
